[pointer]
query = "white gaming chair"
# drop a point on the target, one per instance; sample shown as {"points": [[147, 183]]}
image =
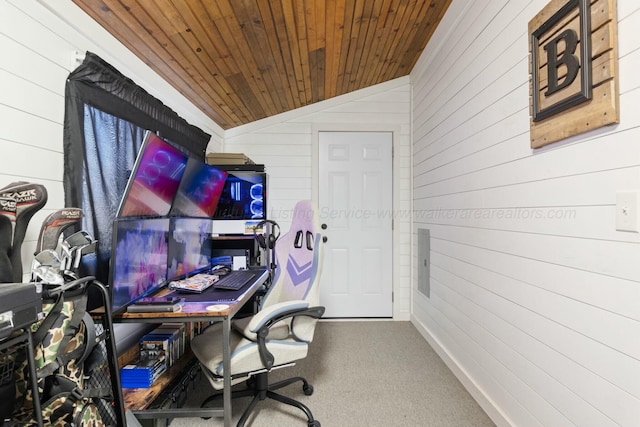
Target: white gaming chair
{"points": [[280, 332]]}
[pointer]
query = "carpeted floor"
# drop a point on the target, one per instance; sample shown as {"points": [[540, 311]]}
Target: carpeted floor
{"points": [[364, 373]]}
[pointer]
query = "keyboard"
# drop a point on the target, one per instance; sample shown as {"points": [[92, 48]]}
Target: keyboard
{"points": [[234, 280]]}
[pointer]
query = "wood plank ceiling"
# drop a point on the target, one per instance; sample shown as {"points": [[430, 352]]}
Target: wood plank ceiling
{"points": [[243, 60]]}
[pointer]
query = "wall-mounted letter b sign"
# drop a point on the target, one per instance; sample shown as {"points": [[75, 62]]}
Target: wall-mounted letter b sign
{"points": [[568, 59], [561, 52], [573, 89]]}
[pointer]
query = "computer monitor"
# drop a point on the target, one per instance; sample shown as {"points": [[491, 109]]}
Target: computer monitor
{"points": [[189, 246], [138, 259], [199, 190], [154, 180], [243, 197]]}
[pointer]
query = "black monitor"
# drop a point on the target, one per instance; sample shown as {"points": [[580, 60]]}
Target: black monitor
{"points": [[154, 180], [189, 246], [138, 259], [199, 190], [243, 197]]}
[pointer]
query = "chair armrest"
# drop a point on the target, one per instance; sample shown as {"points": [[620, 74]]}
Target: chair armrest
{"points": [[265, 355], [261, 317]]}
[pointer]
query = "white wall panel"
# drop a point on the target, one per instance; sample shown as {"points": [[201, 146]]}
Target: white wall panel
{"points": [[38, 40], [285, 145], [41, 132], [534, 299]]}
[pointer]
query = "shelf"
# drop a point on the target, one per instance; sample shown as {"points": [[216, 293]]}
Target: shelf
{"points": [[137, 399], [233, 237]]}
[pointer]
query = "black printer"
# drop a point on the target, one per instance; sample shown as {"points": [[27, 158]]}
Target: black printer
{"points": [[20, 306]]}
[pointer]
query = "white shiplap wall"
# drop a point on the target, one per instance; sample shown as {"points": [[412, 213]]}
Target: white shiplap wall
{"points": [[287, 145], [535, 297], [38, 40]]}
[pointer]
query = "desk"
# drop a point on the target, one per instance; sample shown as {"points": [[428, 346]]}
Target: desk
{"points": [[195, 310]]}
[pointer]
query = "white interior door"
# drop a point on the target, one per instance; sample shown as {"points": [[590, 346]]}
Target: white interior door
{"points": [[355, 202]]}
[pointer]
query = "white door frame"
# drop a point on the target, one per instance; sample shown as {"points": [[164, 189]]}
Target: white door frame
{"points": [[366, 127]]}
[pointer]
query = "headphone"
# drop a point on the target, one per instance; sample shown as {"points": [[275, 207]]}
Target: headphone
{"points": [[268, 241]]}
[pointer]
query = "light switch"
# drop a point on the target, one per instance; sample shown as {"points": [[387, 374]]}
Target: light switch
{"points": [[627, 207]]}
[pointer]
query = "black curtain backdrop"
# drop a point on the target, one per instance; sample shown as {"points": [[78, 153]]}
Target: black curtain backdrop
{"points": [[106, 115]]}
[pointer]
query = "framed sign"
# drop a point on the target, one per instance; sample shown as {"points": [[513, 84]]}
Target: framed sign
{"points": [[573, 69]]}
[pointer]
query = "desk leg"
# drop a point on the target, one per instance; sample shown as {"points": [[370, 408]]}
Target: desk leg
{"points": [[226, 364]]}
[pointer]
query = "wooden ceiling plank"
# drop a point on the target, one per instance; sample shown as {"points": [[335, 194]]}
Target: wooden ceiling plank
{"points": [[330, 36], [229, 27], [303, 47], [365, 42], [310, 19], [252, 27], [266, 34], [316, 62], [289, 15], [372, 49], [343, 29], [118, 20], [412, 25], [198, 71], [321, 23], [393, 28], [393, 16], [200, 47], [279, 60], [216, 92], [280, 49], [392, 25], [228, 56], [310, 24], [317, 48], [206, 32], [233, 36], [423, 35], [249, 99], [345, 47], [358, 26]]}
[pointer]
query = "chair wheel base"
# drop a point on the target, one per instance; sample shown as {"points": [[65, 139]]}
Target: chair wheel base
{"points": [[307, 389]]}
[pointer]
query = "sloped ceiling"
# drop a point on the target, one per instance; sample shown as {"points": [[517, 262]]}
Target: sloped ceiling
{"points": [[243, 60]]}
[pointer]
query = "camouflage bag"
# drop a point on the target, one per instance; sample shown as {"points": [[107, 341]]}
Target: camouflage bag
{"points": [[64, 341]]}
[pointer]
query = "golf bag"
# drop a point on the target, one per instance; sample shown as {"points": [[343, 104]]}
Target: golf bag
{"points": [[66, 355]]}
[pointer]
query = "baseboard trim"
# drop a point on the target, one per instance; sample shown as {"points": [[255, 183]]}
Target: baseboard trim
{"points": [[486, 403]]}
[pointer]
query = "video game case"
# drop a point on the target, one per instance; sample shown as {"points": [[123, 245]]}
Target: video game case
{"points": [[132, 376], [154, 342], [175, 335]]}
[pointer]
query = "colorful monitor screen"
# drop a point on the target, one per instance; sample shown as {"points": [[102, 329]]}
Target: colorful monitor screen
{"points": [[189, 246], [154, 179], [199, 190], [138, 259], [243, 196]]}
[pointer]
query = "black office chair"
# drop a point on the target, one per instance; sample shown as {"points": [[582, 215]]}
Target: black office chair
{"points": [[280, 332]]}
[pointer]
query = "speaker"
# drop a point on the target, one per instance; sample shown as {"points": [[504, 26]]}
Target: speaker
{"points": [[268, 241]]}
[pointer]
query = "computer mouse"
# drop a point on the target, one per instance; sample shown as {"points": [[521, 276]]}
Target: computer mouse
{"points": [[220, 270]]}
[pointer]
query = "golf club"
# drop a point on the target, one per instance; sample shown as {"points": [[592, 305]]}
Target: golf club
{"points": [[54, 225], [30, 198]]}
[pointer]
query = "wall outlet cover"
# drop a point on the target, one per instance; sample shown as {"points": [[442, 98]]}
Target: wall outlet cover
{"points": [[627, 207]]}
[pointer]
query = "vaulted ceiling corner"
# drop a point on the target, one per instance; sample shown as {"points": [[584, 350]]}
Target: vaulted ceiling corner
{"points": [[244, 60]]}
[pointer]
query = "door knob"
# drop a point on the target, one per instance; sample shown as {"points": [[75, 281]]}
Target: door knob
{"points": [[324, 239], [323, 226]]}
